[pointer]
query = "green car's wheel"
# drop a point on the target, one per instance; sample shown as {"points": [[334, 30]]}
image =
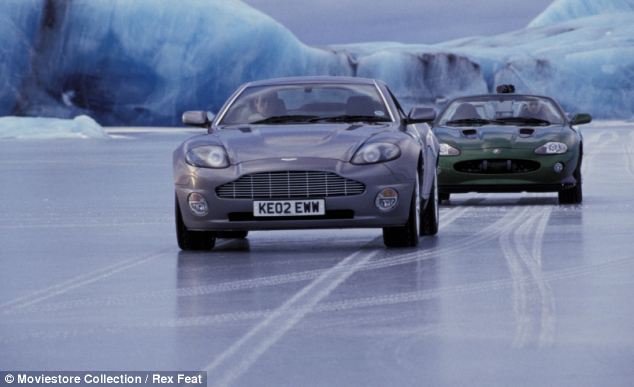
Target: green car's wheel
{"points": [[407, 235], [572, 195], [430, 216], [191, 240]]}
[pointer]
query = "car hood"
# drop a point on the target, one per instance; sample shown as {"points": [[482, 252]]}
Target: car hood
{"points": [[507, 136], [333, 141]]}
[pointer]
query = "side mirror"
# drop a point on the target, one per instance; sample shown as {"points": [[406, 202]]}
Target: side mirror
{"points": [[198, 118], [580, 119], [420, 114]]}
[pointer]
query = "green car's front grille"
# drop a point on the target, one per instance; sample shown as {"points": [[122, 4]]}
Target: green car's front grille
{"points": [[497, 166]]}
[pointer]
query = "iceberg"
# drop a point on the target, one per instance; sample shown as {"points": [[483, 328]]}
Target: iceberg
{"points": [[147, 61], [564, 10], [36, 128]]}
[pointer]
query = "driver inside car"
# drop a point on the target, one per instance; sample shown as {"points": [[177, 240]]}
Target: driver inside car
{"points": [[536, 110], [266, 105]]}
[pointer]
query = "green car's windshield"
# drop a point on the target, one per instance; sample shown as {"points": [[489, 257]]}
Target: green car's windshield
{"points": [[501, 110], [307, 103]]}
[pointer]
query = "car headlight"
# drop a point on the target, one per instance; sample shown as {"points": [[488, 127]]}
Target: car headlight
{"points": [[448, 150], [552, 148], [207, 156], [376, 153]]}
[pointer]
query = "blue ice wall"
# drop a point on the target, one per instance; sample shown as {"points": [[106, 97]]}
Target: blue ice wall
{"points": [[19, 23], [144, 62]]}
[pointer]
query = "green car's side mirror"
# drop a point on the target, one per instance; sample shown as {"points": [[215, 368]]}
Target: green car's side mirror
{"points": [[580, 119]]}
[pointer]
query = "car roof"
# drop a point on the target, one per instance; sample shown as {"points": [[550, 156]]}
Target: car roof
{"points": [[312, 79]]}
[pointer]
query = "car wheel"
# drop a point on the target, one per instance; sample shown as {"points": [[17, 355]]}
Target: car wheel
{"points": [[232, 234], [430, 216], [191, 240], [443, 197], [407, 235], [572, 195]]}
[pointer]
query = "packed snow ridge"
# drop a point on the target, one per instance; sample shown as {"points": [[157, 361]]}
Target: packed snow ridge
{"points": [[139, 63]]}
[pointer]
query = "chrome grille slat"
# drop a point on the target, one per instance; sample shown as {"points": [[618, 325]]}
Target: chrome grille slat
{"points": [[290, 184]]}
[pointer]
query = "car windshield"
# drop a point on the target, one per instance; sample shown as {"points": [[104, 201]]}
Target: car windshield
{"points": [[501, 110], [307, 103]]}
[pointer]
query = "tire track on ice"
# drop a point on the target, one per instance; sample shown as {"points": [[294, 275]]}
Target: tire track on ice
{"points": [[203, 290], [593, 149], [76, 282], [238, 358], [521, 245], [629, 154], [326, 307]]}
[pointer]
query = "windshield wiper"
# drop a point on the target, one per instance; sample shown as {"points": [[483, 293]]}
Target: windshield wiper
{"points": [[350, 118], [525, 120], [470, 122], [285, 119]]}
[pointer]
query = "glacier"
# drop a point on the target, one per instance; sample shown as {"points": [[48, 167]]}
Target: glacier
{"points": [[19, 21], [38, 128], [145, 62]]}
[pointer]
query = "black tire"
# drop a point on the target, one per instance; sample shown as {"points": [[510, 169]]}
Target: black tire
{"points": [[407, 235], [443, 197], [429, 216], [572, 195], [191, 240], [232, 234]]}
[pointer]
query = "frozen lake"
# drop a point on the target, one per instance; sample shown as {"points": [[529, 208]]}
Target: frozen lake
{"points": [[515, 290]]}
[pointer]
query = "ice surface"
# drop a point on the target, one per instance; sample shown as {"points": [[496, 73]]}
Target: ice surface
{"points": [[145, 62], [49, 128]]}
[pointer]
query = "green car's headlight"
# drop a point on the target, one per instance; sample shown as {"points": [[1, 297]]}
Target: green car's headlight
{"points": [[448, 150], [376, 153], [207, 156], [552, 148]]}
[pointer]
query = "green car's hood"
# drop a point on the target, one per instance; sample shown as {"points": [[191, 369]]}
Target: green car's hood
{"points": [[499, 136]]}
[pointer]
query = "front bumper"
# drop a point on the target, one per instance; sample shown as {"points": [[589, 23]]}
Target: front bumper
{"points": [[543, 179], [358, 211]]}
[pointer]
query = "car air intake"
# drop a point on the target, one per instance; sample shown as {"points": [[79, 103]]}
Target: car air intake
{"points": [[290, 184], [470, 133], [494, 166], [526, 132]]}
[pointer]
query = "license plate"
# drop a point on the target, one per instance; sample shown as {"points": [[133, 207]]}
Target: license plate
{"points": [[289, 207]]}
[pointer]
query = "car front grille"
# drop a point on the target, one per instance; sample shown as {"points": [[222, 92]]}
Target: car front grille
{"points": [[290, 184], [495, 166]]}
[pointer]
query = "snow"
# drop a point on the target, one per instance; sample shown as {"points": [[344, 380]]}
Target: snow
{"points": [[143, 63], [49, 128]]}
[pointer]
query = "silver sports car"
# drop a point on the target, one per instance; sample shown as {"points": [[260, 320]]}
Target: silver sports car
{"points": [[307, 152]]}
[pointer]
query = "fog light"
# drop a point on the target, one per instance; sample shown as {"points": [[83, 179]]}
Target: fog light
{"points": [[198, 204], [386, 199], [558, 167]]}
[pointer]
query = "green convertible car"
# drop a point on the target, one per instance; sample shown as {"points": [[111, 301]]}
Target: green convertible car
{"points": [[508, 142]]}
